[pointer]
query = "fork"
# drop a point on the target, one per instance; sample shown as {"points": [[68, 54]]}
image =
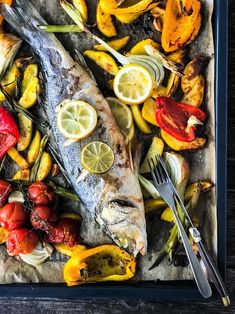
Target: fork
{"points": [[163, 185]]}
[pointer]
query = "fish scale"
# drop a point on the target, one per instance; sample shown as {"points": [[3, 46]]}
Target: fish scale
{"points": [[113, 199]]}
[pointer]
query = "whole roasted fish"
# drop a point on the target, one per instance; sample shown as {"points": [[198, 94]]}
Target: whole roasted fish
{"points": [[114, 199]]}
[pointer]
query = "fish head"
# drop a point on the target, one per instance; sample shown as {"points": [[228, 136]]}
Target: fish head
{"points": [[123, 220]]}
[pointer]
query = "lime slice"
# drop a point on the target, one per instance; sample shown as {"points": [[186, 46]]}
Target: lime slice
{"points": [[123, 117], [133, 84], [76, 119], [97, 157]]}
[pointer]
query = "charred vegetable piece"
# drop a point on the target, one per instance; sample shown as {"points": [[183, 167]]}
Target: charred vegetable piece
{"points": [[193, 82], [104, 60], [9, 133], [30, 86], [13, 216], [153, 205], [181, 25], [127, 18], [41, 194], [44, 218], [138, 49], [105, 23], [21, 241], [159, 14], [5, 190], [45, 166], [139, 120], [3, 235], [178, 119], [9, 81], [34, 148], [66, 231], [26, 132], [22, 175], [177, 145], [116, 44], [139, 7], [19, 159], [103, 263]]}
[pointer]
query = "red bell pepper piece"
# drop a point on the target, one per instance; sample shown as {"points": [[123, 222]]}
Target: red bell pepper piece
{"points": [[5, 190], [173, 117], [9, 132]]}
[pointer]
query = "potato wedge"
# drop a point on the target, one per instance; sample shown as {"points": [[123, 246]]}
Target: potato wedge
{"points": [[15, 155], [22, 175], [45, 166], [9, 81], [158, 92], [29, 97], [156, 148], [127, 18], [104, 60], [153, 205], [112, 6], [30, 72], [116, 44], [167, 215], [179, 146], [139, 120], [105, 23], [3, 235], [26, 132], [138, 49], [34, 148], [81, 6], [192, 188], [148, 111]]}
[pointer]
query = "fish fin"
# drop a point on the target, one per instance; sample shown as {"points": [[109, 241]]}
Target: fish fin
{"points": [[136, 157]]}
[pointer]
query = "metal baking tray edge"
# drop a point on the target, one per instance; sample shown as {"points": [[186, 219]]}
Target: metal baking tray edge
{"points": [[174, 290]]}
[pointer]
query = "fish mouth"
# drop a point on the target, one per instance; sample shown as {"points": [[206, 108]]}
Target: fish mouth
{"points": [[122, 220]]}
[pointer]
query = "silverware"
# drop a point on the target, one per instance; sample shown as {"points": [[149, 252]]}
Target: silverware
{"points": [[163, 185], [211, 268]]}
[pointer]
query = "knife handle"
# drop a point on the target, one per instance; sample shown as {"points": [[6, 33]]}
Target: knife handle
{"points": [[213, 272]]}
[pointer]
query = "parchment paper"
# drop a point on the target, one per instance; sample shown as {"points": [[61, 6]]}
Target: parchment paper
{"points": [[202, 163]]}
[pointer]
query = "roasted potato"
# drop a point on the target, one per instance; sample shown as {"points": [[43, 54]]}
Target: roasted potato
{"points": [[153, 205], [45, 166], [139, 120], [127, 18], [179, 145], [104, 60], [105, 23], [9, 81], [112, 6], [138, 49], [22, 175], [116, 44], [149, 110], [15, 155], [81, 6], [3, 235], [26, 132], [34, 148]]}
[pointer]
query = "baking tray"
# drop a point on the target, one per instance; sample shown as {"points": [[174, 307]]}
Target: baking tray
{"points": [[168, 290]]}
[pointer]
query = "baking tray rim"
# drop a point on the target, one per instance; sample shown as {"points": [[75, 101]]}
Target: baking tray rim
{"points": [[164, 290]]}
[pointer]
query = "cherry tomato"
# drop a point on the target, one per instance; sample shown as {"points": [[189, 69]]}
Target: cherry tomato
{"points": [[41, 194], [5, 190], [13, 216], [44, 218], [21, 241], [66, 231]]}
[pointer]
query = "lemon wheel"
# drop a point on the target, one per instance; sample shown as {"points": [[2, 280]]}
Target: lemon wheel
{"points": [[133, 84], [97, 157], [76, 119]]}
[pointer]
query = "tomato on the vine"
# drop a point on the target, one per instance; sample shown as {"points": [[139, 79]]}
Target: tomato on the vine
{"points": [[41, 194], [13, 216]]}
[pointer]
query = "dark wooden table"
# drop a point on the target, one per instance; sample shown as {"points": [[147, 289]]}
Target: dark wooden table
{"points": [[39, 306]]}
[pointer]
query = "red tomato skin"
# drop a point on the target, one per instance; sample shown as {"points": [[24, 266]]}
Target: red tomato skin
{"points": [[13, 216], [44, 218], [21, 241], [66, 231], [41, 194], [5, 190]]}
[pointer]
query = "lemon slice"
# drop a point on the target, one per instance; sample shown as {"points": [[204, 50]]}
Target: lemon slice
{"points": [[76, 119], [133, 84], [123, 116], [97, 157]]}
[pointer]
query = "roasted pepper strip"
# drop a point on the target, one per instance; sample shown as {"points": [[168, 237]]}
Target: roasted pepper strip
{"points": [[178, 119], [102, 263]]}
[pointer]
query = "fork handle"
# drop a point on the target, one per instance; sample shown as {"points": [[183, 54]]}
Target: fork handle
{"points": [[213, 271], [200, 277]]}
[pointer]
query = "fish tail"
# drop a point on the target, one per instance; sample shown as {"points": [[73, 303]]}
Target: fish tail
{"points": [[25, 19]]}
